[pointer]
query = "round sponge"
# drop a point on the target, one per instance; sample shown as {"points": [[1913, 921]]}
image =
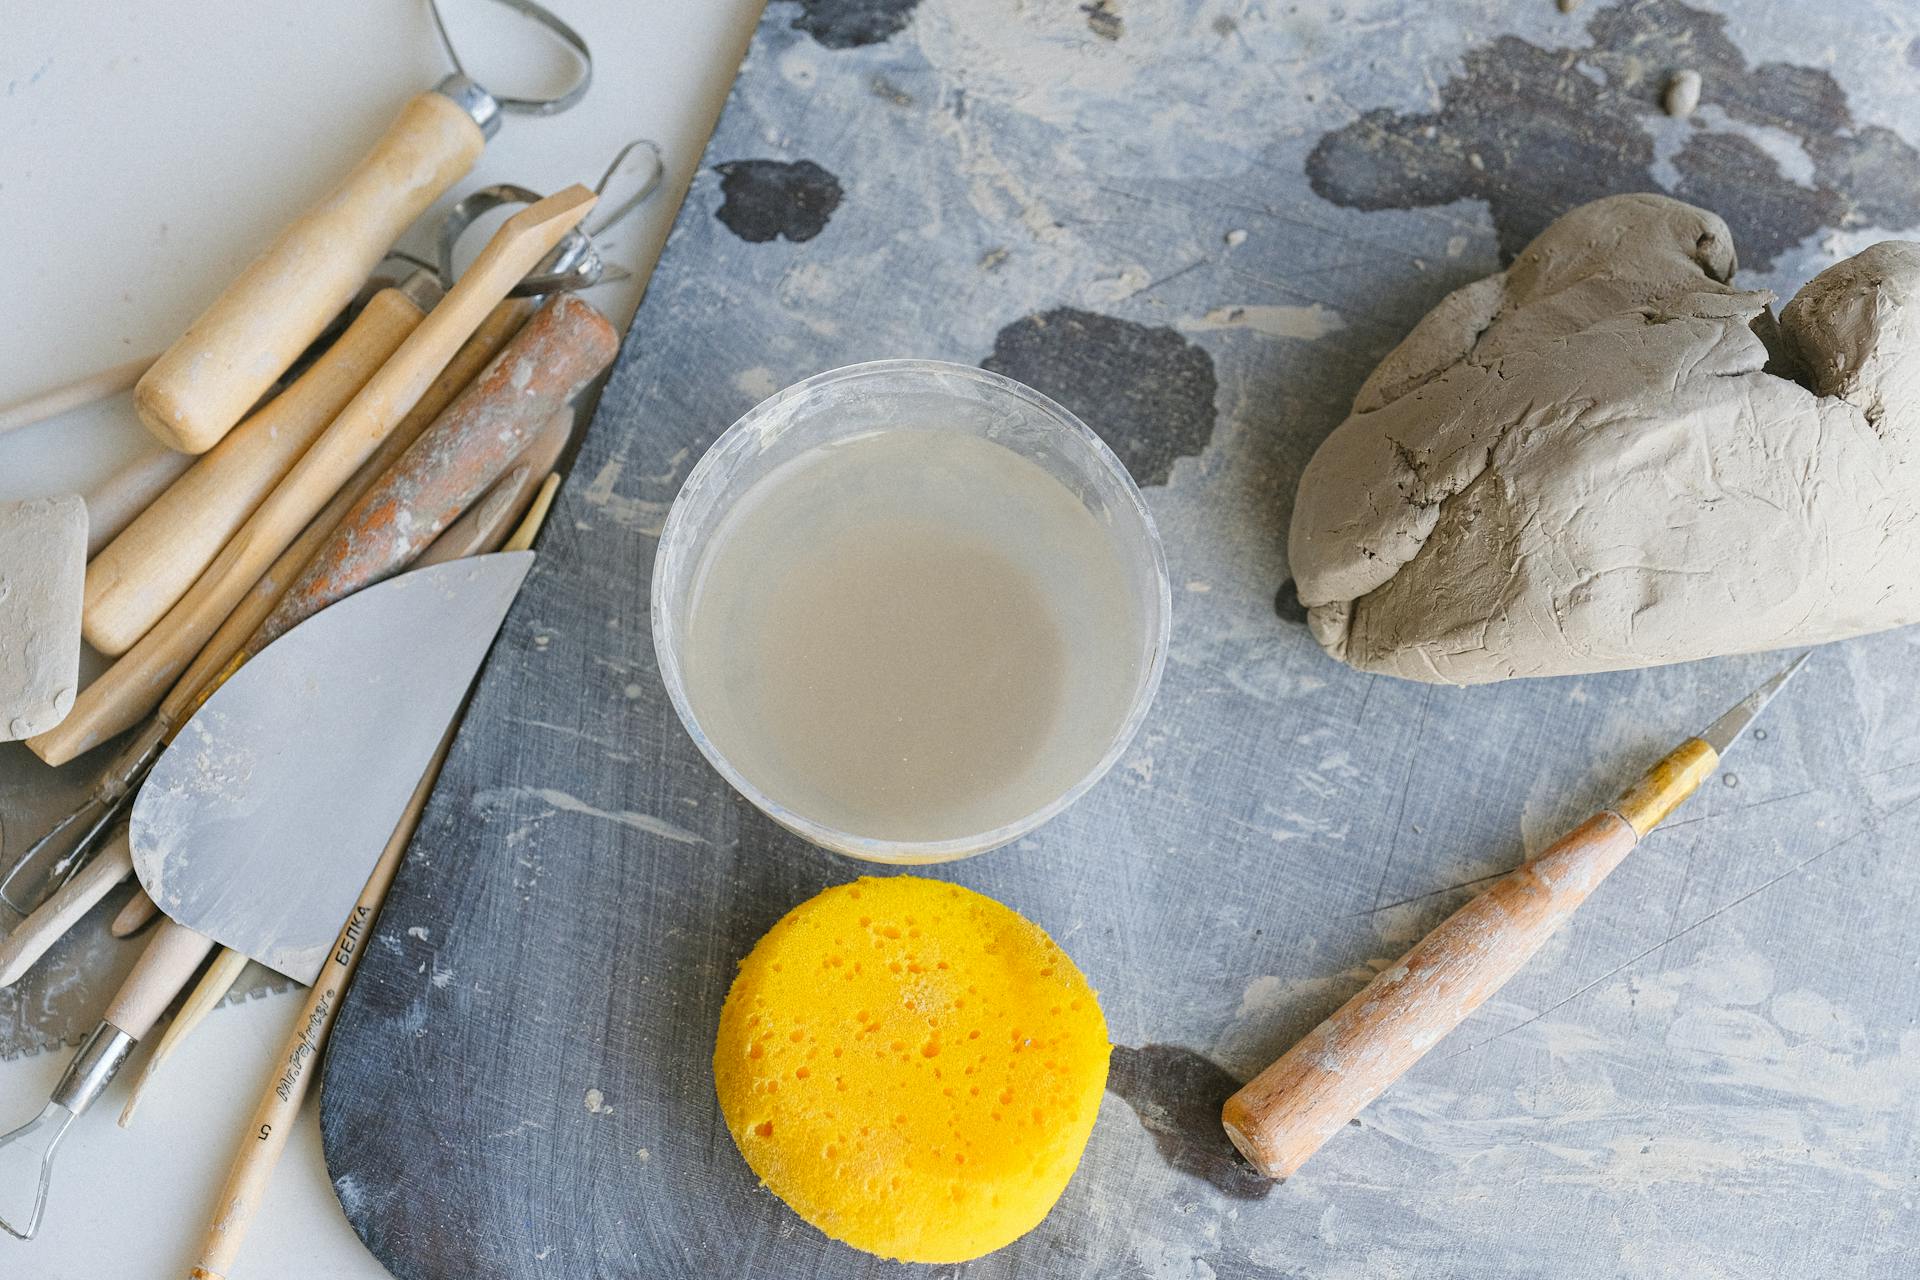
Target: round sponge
{"points": [[913, 1067]]}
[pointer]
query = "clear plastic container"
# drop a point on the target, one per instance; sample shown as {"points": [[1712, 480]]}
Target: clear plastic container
{"points": [[922, 395]]}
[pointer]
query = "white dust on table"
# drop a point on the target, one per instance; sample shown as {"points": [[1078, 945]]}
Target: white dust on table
{"points": [[494, 799], [1306, 324]]}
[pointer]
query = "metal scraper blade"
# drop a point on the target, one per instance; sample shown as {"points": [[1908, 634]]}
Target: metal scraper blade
{"points": [[260, 824]]}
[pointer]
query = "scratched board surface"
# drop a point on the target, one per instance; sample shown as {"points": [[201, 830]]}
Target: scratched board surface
{"points": [[1199, 225]]}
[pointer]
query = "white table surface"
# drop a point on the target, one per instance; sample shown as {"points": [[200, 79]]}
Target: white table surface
{"points": [[147, 149]]}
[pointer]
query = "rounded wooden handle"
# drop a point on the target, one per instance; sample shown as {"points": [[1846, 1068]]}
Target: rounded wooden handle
{"points": [[134, 686], [1285, 1113], [113, 504], [49, 922], [254, 331], [564, 347], [160, 974], [144, 572]]}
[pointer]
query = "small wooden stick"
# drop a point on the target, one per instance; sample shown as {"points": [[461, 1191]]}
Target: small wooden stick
{"points": [[267, 1132], [80, 392], [133, 686], [136, 915], [30, 938], [144, 572], [212, 988], [115, 501]]}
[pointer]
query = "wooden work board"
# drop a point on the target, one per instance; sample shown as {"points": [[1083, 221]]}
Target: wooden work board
{"points": [[1198, 223]]}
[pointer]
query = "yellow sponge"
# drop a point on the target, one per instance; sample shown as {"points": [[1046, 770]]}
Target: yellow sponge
{"points": [[912, 1067]]}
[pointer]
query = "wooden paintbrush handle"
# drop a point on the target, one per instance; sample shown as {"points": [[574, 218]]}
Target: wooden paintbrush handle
{"points": [[259, 325], [160, 974], [565, 346], [1284, 1114], [266, 1133], [133, 686], [144, 572]]}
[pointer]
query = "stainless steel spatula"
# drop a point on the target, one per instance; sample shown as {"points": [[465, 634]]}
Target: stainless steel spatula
{"points": [[258, 827]]}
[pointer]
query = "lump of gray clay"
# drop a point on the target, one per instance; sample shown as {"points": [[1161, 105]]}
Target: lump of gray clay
{"points": [[1597, 459], [43, 570]]}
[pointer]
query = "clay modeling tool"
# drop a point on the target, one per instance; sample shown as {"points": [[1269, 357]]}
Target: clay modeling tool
{"points": [[258, 831], [132, 584], [27, 941], [43, 545], [74, 395], [115, 501], [143, 573], [564, 347], [133, 686], [207, 380], [1284, 1114], [265, 1135], [477, 532], [63, 849]]}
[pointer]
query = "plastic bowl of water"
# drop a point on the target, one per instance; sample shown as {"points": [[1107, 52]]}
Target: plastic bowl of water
{"points": [[854, 406]]}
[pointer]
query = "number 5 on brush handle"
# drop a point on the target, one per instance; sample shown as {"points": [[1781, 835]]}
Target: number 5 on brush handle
{"points": [[1284, 1114]]}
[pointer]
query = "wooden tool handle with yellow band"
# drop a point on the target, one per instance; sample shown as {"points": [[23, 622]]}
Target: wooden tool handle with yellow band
{"points": [[252, 333], [134, 686], [1284, 1114], [143, 573]]}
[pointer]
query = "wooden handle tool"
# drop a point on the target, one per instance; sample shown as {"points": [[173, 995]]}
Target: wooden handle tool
{"points": [[113, 504], [252, 333], [76, 394], [564, 347], [1288, 1111], [267, 1132], [474, 355], [49, 921], [134, 685], [144, 572]]}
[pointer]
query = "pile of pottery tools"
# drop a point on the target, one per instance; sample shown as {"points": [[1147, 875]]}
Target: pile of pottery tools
{"points": [[276, 587]]}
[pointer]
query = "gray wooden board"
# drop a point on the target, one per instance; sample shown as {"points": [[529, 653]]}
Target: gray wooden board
{"points": [[1199, 224]]}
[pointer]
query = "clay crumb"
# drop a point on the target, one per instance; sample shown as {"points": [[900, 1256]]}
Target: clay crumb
{"points": [[1235, 238], [1683, 94]]}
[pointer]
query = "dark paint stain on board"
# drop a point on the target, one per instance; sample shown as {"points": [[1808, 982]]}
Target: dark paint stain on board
{"points": [[848, 24], [1177, 1094], [1147, 392], [765, 199], [1534, 132]]}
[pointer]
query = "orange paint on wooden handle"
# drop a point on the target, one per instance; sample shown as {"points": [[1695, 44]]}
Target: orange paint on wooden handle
{"points": [[565, 346]]}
